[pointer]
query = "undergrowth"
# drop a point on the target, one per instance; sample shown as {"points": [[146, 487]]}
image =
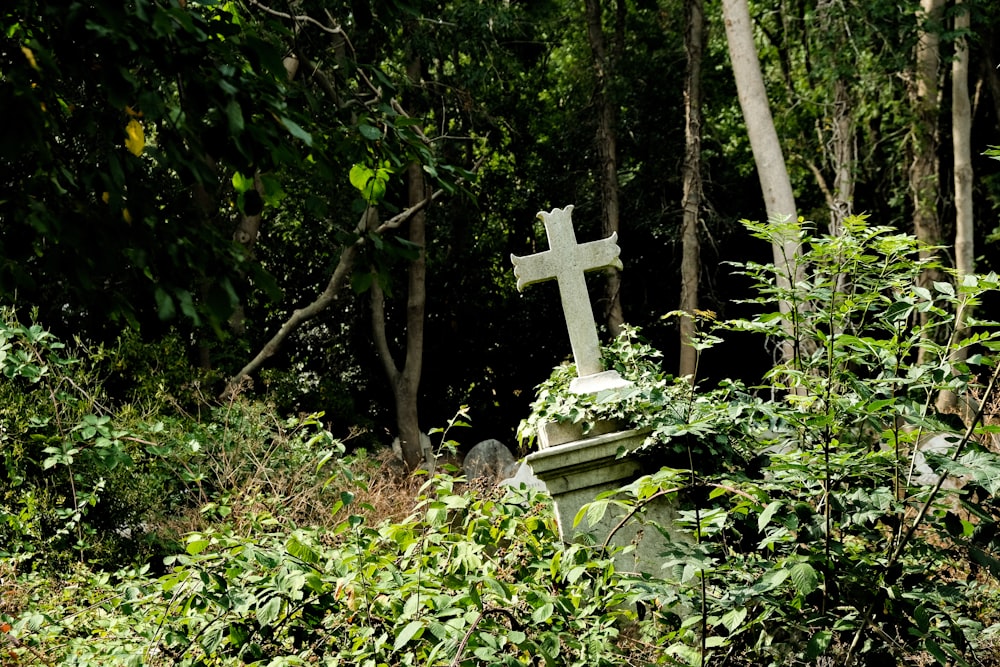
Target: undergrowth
{"points": [[830, 514]]}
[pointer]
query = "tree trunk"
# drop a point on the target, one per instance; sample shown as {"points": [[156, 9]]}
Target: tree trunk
{"points": [[961, 137], [691, 204], [405, 382], [844, 158], [607, 150], [246, 235], [961, 132], [779, 200], [925, 96]]}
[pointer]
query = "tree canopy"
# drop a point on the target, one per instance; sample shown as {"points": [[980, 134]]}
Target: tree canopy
{"points": [[205, 168]]}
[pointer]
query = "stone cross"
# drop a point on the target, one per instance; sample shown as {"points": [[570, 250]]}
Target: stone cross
{"points": [[565, 262]]}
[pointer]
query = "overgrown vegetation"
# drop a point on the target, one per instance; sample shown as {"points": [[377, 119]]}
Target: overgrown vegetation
{"points": [[824, 528]]}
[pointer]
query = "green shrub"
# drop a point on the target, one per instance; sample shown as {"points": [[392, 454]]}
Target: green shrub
{"points": [[815, 540], [467, 579]]}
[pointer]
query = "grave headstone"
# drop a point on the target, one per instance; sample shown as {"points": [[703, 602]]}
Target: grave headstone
{"points": [[490, 459], [565, 262], [577, 468]]}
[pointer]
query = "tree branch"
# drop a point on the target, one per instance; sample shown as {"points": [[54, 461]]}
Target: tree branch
{"points": [[378, 332], [301, 18], [328, 295]]}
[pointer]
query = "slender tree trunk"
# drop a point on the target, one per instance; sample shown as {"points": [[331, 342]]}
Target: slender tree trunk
{"points": [[844, 158], [779, 200], [926, 99], [961, 132], [607, 149], [405, 381], [961, 137], [246, 235], [691, 247]]}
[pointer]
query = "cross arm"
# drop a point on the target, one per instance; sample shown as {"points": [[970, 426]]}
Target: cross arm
{"points": [[532, 269]]}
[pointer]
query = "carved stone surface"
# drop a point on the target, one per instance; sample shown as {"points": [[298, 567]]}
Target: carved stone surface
{"points": [[575, 473], [565, 262]]}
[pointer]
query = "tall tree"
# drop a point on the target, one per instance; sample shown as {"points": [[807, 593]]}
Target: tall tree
{"points": [[925, 92], [605, 61], [692, 193], [779, 199], [961, 137], [405, 379], [961, 141]]}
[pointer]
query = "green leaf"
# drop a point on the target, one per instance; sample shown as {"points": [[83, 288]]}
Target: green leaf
{"points": [[922, 618], [733, 619], [242, 183], [164, 304], [302, 551], [296, 131], [768, 513], [934, 649], [268, 612], [818, 644], [945, 288], [212, 638], [804, 577], [543, 613], [195, 547], [235, 117], [361, 281], [412, 630], [370, 133]]}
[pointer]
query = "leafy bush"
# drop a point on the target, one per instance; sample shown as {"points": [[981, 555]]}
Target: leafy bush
{"points": [[106, 479], [831, 545], [467, 579], [820, 531]]}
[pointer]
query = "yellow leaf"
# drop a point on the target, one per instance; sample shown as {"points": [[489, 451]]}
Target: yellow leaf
{"points": [[135, 141], [127, 216], [105, 196], [30, 56]]}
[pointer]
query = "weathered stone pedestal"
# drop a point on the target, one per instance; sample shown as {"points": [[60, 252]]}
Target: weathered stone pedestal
{"points": [[576, 471]]}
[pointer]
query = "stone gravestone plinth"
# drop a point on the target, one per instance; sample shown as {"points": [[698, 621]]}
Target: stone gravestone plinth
{"points": [[575, 468]]}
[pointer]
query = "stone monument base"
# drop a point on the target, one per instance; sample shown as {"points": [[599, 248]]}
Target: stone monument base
{"points": [[576, 472]]}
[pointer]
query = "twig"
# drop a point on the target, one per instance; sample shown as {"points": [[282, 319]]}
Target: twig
{"points": [[472, 628], [301, 18], [17, 643]]}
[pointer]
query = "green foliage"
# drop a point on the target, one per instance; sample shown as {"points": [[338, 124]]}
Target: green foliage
{"points": [[820, 537], [465, 580], [66, 462], [820, 532], [101, 480]]}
